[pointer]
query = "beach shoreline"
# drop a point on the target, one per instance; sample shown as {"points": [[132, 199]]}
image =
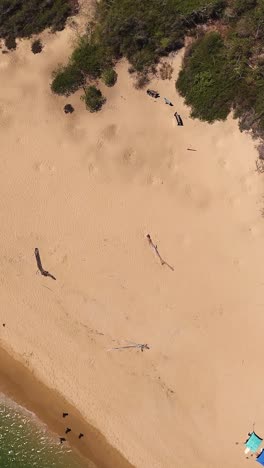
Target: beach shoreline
{"points": [[18, 383]]}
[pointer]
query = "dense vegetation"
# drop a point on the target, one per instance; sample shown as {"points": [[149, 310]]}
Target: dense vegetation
{"points": [[208, 80], [140, 31], [22, 18], [143, 31], [225, 70]]}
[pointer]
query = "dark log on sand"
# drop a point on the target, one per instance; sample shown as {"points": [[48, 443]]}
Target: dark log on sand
{"points": [[179, 119], [41, 269]]}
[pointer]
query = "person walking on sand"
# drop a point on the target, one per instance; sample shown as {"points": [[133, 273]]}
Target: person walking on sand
{"points": [[167, 101]]}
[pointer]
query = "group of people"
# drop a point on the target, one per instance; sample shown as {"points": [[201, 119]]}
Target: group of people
{"points": [[156, 95], [68, 429]]}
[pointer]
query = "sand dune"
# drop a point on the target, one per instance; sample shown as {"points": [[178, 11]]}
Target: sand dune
{"points": [[86, 189]]}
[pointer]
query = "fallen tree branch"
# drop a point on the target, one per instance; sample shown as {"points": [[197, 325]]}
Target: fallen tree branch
{"points": [[41, 269], [136, 345], [155, 247]]}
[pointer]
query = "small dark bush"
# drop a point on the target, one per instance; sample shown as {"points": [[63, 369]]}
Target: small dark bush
{"points": [[109, 77], [68, 109], [93, 99], [10, 43], [67, 80], [36, 46]]}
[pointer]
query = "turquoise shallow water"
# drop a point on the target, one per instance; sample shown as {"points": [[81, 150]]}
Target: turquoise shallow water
{"points": [[26, 443]]}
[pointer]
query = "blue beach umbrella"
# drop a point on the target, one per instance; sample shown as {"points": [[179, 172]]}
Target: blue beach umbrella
{"points": [[260, 458]]}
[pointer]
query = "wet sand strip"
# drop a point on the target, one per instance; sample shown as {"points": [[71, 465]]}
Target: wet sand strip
{"points": [[19, 383]]}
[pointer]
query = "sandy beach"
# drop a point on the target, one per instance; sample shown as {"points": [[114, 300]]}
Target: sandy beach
{"points": [[86, 189]]}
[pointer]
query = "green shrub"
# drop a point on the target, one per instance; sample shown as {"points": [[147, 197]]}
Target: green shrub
{"points": [[90, 58], [109, 77], [10, 43], [67, 80], [207, 80], [93, 99], [22, 18]]}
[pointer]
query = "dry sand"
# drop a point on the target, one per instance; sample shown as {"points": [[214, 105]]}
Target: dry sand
{"points": [[86, 189]]}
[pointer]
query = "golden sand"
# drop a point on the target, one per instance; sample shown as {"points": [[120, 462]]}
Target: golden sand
{"points": [[86, 189]]}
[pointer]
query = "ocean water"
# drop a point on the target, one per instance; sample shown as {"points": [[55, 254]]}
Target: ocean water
{"points": [[26, 443]]}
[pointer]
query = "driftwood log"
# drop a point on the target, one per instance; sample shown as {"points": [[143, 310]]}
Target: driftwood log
{"points": [[136, 345], [155, 247], [41, 269]]}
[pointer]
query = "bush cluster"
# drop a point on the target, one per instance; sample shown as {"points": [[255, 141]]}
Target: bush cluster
{"points": [[139, 31]]}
